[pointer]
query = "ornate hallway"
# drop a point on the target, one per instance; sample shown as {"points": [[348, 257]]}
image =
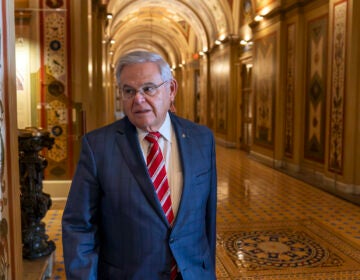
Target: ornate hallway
{"points": [[270, 226], [279, 79]]}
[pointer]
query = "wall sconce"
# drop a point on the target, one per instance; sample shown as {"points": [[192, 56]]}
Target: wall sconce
{"points": [[262, 14], [246, 42], [203, 51], [265, 11], [217, 42], [109, 16], [222, 37]]}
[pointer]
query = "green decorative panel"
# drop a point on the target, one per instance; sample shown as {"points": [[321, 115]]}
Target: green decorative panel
{"points": [[315, 99]]}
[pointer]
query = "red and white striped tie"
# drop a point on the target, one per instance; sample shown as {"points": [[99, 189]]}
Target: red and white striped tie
{"points": [[156, 166]]}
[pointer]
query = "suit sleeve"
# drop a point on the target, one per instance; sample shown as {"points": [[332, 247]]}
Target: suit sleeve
{"points": [[80, 219], [212, 205]]}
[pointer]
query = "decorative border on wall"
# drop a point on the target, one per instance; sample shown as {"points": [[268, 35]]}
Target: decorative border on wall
{"points": [[4, 208], [315, 95], [337, 87], [56, 91], [265, 89], [290, 90]]}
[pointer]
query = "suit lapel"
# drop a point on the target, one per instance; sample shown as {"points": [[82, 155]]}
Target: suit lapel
{"points": [[127, 139], [184, 146]]}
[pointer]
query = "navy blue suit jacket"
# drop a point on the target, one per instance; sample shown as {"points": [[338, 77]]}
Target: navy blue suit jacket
{"points": [[113, 224]]}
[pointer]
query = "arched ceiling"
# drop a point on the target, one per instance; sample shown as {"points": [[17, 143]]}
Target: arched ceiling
{"points": [[177, 29]]}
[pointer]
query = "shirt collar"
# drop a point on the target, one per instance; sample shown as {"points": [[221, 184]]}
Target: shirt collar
{"points": [[165, 130]]}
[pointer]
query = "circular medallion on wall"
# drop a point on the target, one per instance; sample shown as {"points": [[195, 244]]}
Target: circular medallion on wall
{"points": [[56, 88], [57, 130], [55, 45], [54, 4], [58, 171]]}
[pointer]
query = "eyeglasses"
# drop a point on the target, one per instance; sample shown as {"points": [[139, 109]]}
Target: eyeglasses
{"points": [[148, 89]]}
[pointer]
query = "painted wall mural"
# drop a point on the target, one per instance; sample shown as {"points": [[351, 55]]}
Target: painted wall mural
{"points": [[4, 211], [337, 88], [290, 86], [265, 89], [315, 99], [56, 93]]}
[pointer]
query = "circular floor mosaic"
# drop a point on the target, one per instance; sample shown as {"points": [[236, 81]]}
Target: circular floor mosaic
{"points": [[281, 249]]}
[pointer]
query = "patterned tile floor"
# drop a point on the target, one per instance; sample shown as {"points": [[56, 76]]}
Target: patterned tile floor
{"points": [[270, 226]]}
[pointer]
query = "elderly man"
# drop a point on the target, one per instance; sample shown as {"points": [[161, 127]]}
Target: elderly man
{"points": [[142, 204]]}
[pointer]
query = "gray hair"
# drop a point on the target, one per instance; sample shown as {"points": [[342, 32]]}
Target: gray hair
{"points": [[143, 57]]}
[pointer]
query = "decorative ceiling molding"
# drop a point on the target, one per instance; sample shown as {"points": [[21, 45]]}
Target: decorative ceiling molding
{"points": [[178, 27]]}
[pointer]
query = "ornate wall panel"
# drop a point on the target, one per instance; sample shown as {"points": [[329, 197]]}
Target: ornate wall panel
{"points": [[264, 89], [219, 76], [290, 87], [56, 91], [4, 209], [337, 88], [315, 99]]}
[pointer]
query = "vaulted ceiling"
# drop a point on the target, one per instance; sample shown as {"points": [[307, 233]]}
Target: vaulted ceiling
{"points": [[177, 29]]}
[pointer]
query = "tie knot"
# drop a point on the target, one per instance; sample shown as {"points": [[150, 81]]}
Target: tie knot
{"points": [[153, 137]]}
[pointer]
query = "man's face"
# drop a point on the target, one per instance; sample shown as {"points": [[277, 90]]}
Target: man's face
{"points": [[147, 112]]}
